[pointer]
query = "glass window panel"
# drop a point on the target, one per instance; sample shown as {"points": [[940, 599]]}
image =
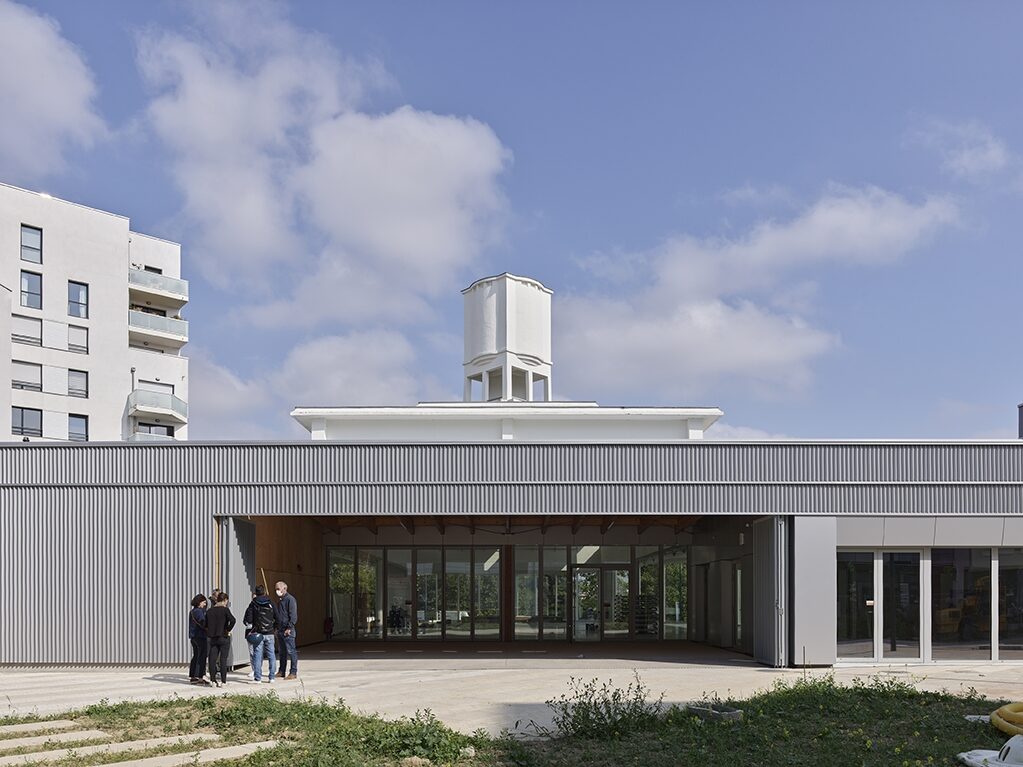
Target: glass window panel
{"points": [[487, 595], [31, 244], [855, 597], [555, 592], [78, 428], [457, 593], [676, 592], [586, 604], [32, 290], [399, 593], [26, 330], [341, 565], [77, 299], [648, 612], [1010, 604], [27, 421], [155, 428], [429, 615], [601, 555], [901, 620], [527, 592], [78, 383], [961, 603], [370, 605], [26, 375], [616, 603], [77, 338]]}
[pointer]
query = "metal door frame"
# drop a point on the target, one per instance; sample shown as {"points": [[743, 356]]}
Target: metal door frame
{"points": [[601, 568]]}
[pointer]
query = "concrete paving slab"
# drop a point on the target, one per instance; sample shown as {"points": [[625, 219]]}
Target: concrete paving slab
{"points": [[37, 727], [467, 691], [201, 757], [71, 736], [39, 757]]}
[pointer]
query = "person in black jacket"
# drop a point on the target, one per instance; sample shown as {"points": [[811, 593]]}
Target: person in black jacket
{"points": [[197, 637], [260, 615], [287, 622], [219, 622]]}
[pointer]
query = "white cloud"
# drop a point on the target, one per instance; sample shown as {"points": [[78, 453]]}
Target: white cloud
{"points": [[968, 150], [694, 314], [329, 212], [373, 367], [47, 91]]}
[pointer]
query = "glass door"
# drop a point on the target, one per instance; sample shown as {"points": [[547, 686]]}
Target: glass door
{"points": [[616, 599], [586, 604], [855, 583], [900, 578]]}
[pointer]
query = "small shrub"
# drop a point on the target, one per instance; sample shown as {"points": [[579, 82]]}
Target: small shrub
{"points": [[602, 711]]}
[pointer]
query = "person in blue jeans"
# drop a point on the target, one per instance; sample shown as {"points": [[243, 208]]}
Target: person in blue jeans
{"points": [[262, 617], [287, 620]]}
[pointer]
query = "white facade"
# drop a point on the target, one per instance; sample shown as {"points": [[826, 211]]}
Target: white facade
{"points": [[93, 333], [508, 392]]}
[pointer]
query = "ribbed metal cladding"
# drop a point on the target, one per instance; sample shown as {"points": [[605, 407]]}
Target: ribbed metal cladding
{"points": [[326, 463], [101, 575]]}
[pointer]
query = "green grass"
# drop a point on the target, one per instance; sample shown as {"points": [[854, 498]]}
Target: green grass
{"points": [[813, 722]]}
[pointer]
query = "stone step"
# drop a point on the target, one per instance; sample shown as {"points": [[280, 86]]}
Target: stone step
{"points": [[200, 757], [37, 727], [70, 736], [38, 757]]}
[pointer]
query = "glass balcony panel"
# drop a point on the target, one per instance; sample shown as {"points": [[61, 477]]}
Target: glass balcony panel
{"points": [[142, 399], [161, 282], [158, 324]]}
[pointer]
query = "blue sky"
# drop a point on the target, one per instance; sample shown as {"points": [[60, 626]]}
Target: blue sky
{"points": [[806, 214]]}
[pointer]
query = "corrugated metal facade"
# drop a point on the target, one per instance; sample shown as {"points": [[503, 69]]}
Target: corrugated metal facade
{"points": [[90, 529]]}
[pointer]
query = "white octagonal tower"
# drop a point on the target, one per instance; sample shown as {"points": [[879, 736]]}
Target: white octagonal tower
{"points": [[507, 340]]}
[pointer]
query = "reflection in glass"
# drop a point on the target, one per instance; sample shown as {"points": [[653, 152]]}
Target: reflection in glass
{"points": [[457, 591], [901, 625], [961, 603], [601, 555], [487, 571], [429, 618], [555, 591], [648, 613], [586, 604], [676, 593], [370, 612], [341, 564], [1010, 604], [399, 593], [616, 603], [855, 595], [527, 592]]}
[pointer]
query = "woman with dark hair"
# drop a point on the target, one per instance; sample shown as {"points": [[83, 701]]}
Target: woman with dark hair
{"points": [[219, 622], [197, 636]]}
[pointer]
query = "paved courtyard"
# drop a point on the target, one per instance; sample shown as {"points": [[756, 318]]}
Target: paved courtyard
{"points": [[471, 688]]}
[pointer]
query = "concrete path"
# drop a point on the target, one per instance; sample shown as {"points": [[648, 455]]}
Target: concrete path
{"points": [[469, 689]]}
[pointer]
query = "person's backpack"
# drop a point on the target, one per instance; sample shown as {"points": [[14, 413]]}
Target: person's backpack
{"points": [[263, 617]]}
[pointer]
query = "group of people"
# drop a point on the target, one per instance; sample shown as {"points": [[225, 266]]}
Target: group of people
{"points": [[270, 633]]}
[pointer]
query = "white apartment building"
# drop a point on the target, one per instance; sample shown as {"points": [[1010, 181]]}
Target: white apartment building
{"points": [[90, 325]]}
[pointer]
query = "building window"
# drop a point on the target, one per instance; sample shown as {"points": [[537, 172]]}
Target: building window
{"points": [[78, 339], [961, 604], [27, 421], [77, 299], [26, 330], [77, 383], [26, 375], [31, 244], [152, 269], [78, 428], [155, 428], [32, 290]]}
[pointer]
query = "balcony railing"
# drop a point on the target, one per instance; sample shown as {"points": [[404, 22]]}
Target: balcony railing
{"points": [[141, 436], [152, 281], [143, 399], [158, 324]]}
